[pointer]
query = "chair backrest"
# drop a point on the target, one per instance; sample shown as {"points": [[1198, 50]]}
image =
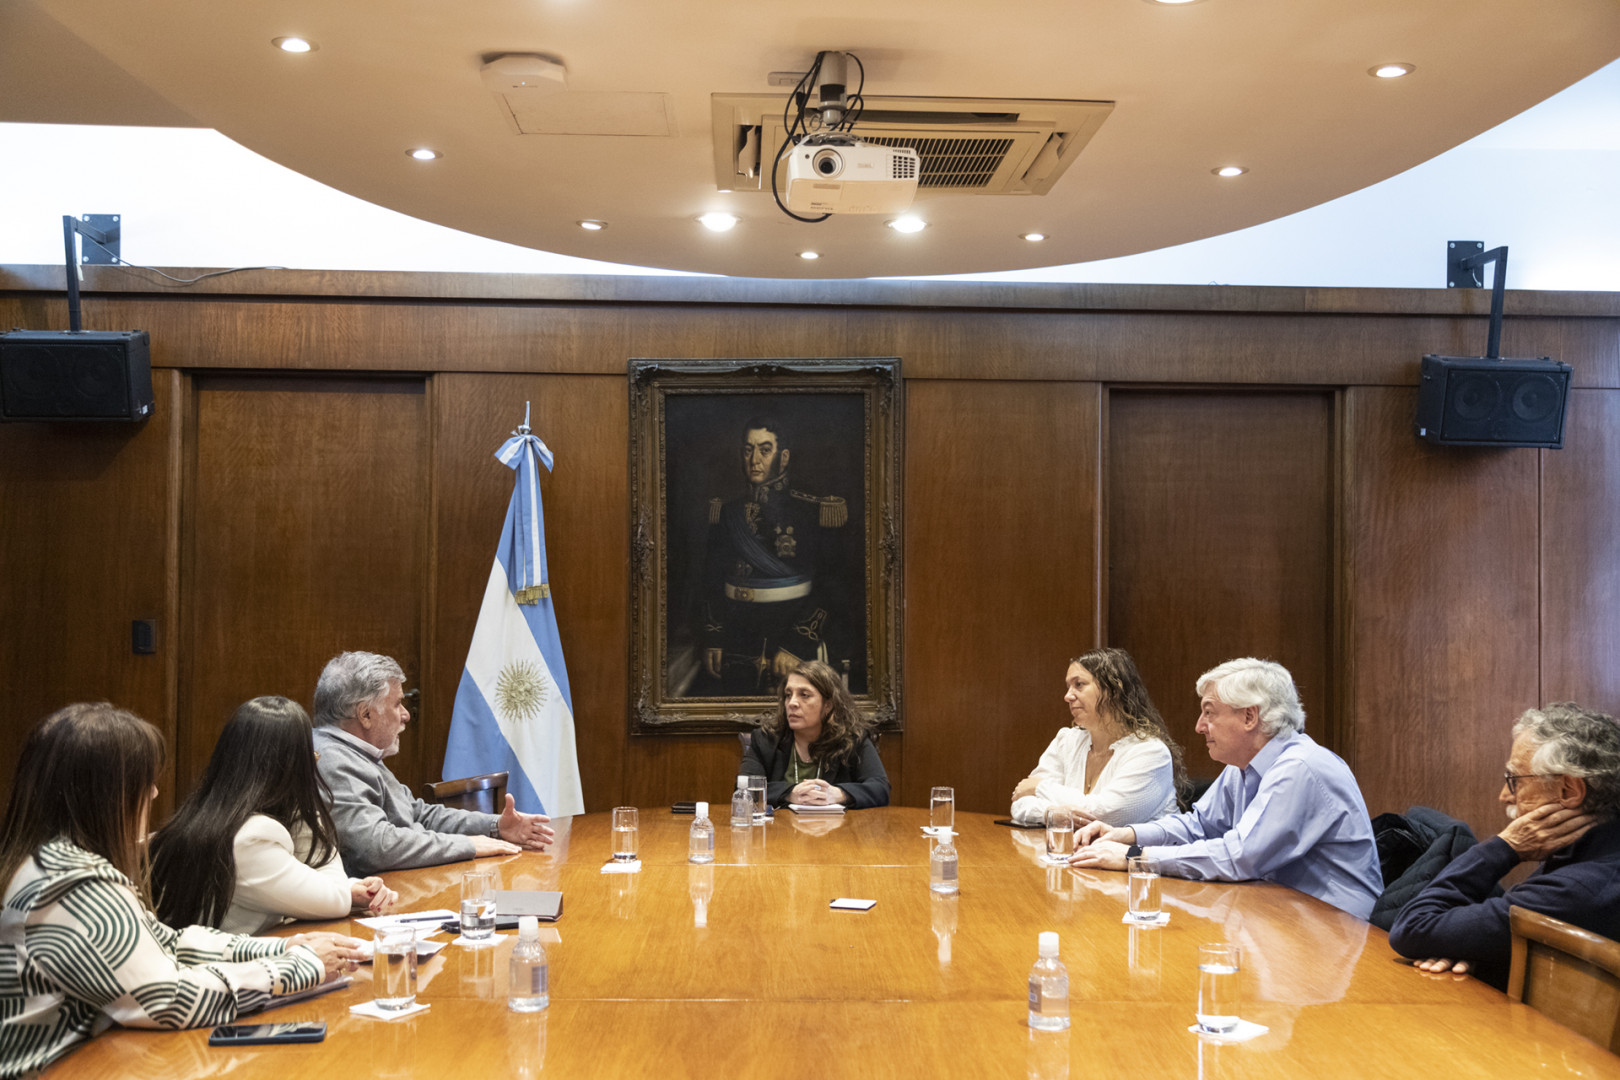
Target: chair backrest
{"points": [[483, 793], [1572, 975]]}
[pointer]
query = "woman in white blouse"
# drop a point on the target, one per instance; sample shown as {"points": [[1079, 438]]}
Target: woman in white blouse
{"points": [[1117, 762], [254, 844]]}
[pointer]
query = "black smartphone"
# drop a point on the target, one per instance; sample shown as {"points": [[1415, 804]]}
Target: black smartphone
{"points": [[308, 1031]]}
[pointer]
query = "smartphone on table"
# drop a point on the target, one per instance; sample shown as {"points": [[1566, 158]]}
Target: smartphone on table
{"points": [[305, 1031]]}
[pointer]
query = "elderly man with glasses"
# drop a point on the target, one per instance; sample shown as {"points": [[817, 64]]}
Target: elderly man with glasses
{"points": [[1561, 790]]}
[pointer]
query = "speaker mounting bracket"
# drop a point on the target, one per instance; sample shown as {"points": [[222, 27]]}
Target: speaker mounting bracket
{"points": [[1465, 269], [103, 239]]}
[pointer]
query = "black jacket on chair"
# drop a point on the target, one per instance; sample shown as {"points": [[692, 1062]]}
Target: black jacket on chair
{"points": [[1412, 850]]}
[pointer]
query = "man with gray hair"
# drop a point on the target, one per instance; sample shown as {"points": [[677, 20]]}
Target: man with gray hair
{"points": [[359, 713], [1561, 791], [1283, 810]]}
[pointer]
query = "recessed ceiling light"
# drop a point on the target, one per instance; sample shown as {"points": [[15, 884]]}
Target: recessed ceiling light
{"points": [[1229, 171], [1391, 71], [908, 223], [1034, 237], [422, 153], [718, 222], [294, 44], [592, 225], [809, 254], [1175, 3]]}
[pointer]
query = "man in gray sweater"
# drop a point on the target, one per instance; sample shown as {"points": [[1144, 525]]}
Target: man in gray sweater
{"points": [[359, 713]]}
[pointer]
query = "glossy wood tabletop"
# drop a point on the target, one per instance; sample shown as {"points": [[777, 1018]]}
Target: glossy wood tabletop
{"points": [[740, 969]]}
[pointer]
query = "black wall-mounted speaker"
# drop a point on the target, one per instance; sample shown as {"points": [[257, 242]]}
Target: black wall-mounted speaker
{"points": [[1476, 401], [89, 375]]}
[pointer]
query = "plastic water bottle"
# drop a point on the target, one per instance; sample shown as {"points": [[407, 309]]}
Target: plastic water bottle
{"points": [[700, 845], [942, 867], [742, 804], [528, 988], [1049, 988]]}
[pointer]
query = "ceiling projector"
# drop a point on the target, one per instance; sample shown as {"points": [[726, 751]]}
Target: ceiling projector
{"points": [[848, 176]]}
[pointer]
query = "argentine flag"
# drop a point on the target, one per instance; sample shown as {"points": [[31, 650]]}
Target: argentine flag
{"points": [[513, 710]]}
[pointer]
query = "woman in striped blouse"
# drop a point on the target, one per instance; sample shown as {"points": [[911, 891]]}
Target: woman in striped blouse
{"points": [[80, 948]]}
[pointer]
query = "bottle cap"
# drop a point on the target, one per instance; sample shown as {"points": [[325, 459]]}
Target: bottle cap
{"points": [[529, 928], [702, 809], [1049, 944], [742, 781]]}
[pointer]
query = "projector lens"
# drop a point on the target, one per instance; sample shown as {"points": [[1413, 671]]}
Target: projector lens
{"points": [[827, 162]]}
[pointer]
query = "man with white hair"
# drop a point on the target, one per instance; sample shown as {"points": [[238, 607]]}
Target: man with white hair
{"points": [[1283, 810], [1561, 790], [359, 713]]}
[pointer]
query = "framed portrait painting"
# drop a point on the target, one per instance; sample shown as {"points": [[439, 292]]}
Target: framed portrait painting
{"points": [[765, 532]]}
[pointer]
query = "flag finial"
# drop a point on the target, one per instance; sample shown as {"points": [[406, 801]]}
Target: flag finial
{"points": [[523, 429]]}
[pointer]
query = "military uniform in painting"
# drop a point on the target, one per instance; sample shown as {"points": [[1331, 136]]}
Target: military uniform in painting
{"points": [[759, 616]]}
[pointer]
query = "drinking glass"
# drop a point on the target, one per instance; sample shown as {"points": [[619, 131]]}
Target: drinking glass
{"points": [[478, 903], [393, 968], [1059, 834], [1218, 988], [624, 834], [756, 788], [1143, 899], [942, 808]]}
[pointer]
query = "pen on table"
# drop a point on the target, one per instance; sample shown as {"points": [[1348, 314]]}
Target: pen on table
{"points": [[421, 918]]}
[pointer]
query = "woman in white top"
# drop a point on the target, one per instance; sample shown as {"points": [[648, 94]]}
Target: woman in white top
{"points": [[254, 844], [1117, 762]]}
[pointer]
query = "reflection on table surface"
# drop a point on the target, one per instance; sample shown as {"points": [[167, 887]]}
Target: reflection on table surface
{"points": [[741, 969]]}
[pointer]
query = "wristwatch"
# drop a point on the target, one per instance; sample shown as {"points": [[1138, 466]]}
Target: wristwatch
{"points": [[1133, 851]]}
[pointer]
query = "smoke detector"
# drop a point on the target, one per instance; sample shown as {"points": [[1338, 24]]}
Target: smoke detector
{"points": [[524, 73]]}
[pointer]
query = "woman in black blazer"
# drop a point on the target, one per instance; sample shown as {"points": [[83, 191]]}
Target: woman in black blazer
{"points": [[818, 747]]}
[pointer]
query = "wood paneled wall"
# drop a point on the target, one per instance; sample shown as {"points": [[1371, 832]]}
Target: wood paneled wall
{"points": [[1444, 590], [1221, 521]]}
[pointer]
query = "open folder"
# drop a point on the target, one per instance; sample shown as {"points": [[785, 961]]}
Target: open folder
{"points": [[545, 906], [510, 904]]}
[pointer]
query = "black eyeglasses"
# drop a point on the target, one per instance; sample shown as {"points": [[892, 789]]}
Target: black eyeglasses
{"points": [[1512, 780]]}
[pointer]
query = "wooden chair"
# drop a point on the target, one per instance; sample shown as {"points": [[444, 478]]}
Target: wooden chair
{"points": [[483, 793], [1570, 974]]}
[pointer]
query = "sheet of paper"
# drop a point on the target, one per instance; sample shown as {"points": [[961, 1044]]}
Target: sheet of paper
{"points": [[410, 918]]}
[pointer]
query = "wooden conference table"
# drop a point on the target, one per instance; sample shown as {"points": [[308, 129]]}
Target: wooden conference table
{"points": [[740, 969]]}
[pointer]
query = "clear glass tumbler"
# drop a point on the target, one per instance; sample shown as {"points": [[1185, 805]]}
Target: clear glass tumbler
{"points": [[625, 834], [1143, 899], [393, 968], [1059, 834], [1218, 969], [478, 903], [756, 788]]}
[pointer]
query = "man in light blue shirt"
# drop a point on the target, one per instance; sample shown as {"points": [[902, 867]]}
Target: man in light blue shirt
{"points": [[1284, 809]]}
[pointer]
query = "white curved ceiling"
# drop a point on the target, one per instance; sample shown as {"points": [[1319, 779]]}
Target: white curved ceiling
{"points": [[1278, 86]]}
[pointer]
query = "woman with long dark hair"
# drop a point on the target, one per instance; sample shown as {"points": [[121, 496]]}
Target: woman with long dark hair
{"points": [[1116, 762], [79, 947], [817, 749], [255, 844]]}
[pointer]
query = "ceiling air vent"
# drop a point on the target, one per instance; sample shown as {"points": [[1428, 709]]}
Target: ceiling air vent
{"points": [[964, 162], [994, 146]]}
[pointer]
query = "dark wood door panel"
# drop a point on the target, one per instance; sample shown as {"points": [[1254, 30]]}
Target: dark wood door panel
{"points": [[1580, 556], [1220, 542], [306, 535], [1001, 572], [1440, 547]]}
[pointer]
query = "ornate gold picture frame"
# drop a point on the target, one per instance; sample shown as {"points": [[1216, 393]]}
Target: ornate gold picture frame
{"points": [[765, 523]]}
